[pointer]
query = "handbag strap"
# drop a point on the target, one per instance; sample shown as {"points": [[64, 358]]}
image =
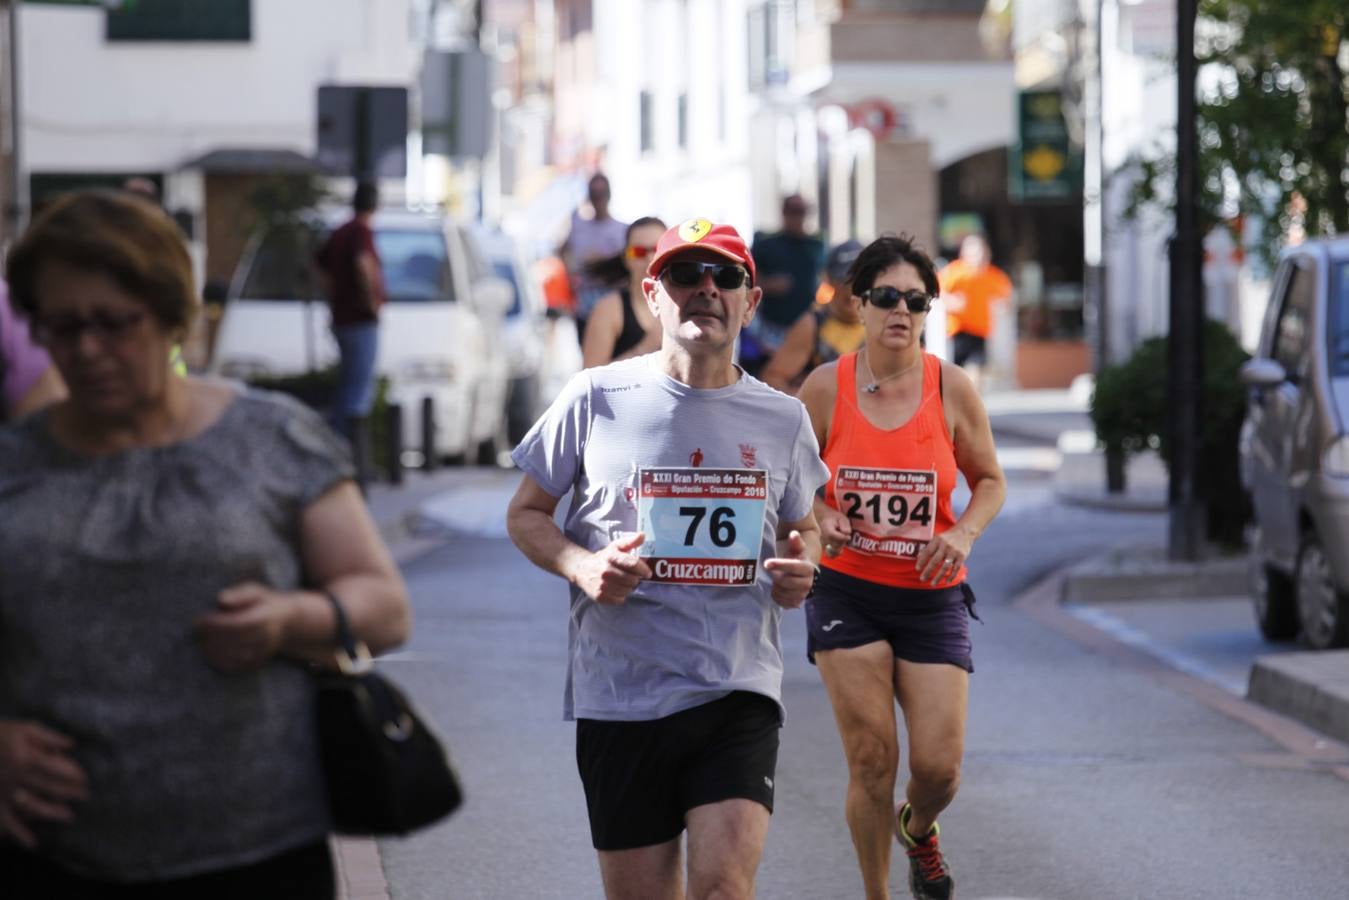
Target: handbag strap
{"points": [[352, 655]]}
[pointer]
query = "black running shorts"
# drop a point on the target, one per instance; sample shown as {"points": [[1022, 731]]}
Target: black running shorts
{"points": [[968, 348], [922, 626], [640, 778]]}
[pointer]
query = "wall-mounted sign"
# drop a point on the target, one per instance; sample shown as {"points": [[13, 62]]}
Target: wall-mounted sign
{"points": [[1044, 164]]}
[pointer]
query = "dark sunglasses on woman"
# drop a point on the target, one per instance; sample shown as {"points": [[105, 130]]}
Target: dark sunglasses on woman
{"points": [[886, 297], [726, 276]]}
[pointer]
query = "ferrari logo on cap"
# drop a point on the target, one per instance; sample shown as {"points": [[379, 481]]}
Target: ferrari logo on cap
{"points": [[694, 230]]}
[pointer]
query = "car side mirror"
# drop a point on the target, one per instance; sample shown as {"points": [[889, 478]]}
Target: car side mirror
{"points": [[493, 296], [1263, 373]]}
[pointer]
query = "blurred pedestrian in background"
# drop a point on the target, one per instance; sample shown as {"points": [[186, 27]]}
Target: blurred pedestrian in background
{"points": [[27, 376], [972, 289], [167, 542], [789, 263], [593, 239], [826, 331], [622, 324], [889, 618], [352, 279]]}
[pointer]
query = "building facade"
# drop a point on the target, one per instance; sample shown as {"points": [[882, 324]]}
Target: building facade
{"points": [[200, 97]]}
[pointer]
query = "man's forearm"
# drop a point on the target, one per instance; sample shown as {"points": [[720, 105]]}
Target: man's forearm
{"points": [[543, 543]]}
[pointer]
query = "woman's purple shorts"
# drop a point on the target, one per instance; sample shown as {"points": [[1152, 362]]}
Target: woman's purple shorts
{"points": [[921, 626]]}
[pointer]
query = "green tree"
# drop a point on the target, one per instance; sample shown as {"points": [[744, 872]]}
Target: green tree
{"points": [[1273, 137]]}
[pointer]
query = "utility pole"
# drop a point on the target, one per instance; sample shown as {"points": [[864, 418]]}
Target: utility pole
{"points": [[16, 198], [1185, 363], [1093, 191]]}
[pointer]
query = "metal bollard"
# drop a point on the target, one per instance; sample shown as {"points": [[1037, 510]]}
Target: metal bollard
{"points": [[393, 441], [358, 433], [429, 457]]}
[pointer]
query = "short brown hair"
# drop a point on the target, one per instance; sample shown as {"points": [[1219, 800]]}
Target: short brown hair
{"points": [[114, 233]]}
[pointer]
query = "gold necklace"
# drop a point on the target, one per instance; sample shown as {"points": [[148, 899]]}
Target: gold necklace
{"points": [[874, 384]]}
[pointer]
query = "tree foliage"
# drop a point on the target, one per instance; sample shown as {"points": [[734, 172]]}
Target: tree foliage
{"points": [[1273, 137]]}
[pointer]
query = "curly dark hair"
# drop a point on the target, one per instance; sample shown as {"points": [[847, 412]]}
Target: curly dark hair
{"points": [[886, 251]]}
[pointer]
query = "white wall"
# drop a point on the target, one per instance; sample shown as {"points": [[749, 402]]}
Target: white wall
{"points": [[648, 46], [1139, 118], [960, 109], [94, 105]]}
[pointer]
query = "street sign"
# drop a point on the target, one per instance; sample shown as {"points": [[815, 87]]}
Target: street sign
{"points": [[457, 103], [1045, 164], [362, 131], [105, 4]]}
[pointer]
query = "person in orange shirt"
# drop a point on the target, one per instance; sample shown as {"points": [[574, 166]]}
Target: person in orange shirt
{"points": [[971, 288]]}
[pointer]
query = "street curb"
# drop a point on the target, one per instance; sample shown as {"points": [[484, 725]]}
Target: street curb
{"points": [[1312, 687], [1116, 502], [360, 874], [1305, 748], [359, 869], [1093, 581]]}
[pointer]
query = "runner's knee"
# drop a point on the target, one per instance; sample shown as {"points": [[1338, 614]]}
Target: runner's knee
{"points": [[942, 775], [872, 760]]}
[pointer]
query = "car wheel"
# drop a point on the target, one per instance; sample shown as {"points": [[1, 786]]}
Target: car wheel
{"points": [[1274, 600], [1323, 612]]}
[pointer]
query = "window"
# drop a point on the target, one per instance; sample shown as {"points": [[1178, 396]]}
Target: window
{"points": [[181, 20], [416, 266], [648, 125], [1293, 331], [1339, 318], [279, 269], [770, 32], [503, 269]]}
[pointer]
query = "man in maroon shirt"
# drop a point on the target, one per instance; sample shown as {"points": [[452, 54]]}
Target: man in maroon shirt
{"points": [[349, 268]]}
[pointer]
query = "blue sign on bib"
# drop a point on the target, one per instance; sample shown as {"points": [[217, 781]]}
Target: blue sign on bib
{"points": [[702, 526]]}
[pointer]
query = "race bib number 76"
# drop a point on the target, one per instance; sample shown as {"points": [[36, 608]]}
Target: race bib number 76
{"points": [[702, 526]]}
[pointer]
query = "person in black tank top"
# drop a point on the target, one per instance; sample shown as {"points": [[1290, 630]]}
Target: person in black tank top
{"points": [[621, 325], [632, 332]]}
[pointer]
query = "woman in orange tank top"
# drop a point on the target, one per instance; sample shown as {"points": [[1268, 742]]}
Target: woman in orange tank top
{"points": [[889, 617]]}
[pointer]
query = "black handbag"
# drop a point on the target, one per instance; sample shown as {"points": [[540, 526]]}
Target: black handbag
{"points": [[386, 773]]}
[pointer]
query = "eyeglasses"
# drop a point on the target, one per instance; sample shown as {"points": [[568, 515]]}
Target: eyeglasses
{"points": [[638, 251], [67, 330], [725, 276], [886, 297]]}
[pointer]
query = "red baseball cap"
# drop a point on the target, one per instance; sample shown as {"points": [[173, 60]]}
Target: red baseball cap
{"points": [[701, 234]]}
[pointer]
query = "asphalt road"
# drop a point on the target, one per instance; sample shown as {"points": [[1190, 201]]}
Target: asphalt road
{"points": [[1084, 779]]}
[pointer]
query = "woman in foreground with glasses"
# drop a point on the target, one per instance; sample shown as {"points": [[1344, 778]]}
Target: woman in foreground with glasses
{"points": [[157, 733], [621, 325], [889, 617]]}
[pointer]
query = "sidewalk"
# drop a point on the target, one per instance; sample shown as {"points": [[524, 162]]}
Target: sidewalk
{"points": [[396, 511], [1309, 687]]}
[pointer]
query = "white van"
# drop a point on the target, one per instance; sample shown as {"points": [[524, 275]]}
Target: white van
{"points": [[439, 336]]}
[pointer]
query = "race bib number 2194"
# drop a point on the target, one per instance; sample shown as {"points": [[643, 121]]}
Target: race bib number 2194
{"points": [[702, 526], [892, 511]]}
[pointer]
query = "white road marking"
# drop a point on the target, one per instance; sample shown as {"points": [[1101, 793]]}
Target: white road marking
{"points": [[1127, 634]]}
